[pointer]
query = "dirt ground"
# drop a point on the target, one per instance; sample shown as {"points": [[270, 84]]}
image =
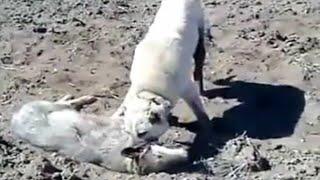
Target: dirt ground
{"points": [[262, 76]]}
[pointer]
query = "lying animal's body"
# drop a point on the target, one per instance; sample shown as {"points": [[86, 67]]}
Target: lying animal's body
{"points": [[163, 67], [58, 127]]}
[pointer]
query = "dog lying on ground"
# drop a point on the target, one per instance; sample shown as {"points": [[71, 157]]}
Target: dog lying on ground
{"points": [[162, 70], [57, 126]]}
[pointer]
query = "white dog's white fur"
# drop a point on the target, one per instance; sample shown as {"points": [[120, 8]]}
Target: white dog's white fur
{"points": [[162, 69]]}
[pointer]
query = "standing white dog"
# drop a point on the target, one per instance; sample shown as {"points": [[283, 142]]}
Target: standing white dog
{"points": [[162, 69]]}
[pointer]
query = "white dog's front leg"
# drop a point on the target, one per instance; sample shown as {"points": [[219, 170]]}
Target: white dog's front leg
{"points": [[199, 58], [122, 108], [192, 97]]}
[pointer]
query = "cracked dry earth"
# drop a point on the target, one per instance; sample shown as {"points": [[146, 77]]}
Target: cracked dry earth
{"points": [[262, 76]]}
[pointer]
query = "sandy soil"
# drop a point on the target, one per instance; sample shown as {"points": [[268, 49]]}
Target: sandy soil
{"points": [[262, 77]]}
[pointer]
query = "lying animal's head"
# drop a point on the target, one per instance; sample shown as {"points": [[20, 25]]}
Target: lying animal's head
{"points": [[146, 116], [154, 158]]}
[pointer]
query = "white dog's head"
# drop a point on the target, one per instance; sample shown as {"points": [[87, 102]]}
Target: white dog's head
{"points": [[146, 117]]}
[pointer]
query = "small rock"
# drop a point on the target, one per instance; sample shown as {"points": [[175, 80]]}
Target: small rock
{"points": [[74, 177], [78, 22], [294, 161], [40, 52], [272, 43], [55, 70], [56, 176], [41, 30], [93, 70], [105, 1], [48, 170], [6, 60], [312, 171], [220, 50], [243, 5], [280, 37], [302, 171], [279, 147]]}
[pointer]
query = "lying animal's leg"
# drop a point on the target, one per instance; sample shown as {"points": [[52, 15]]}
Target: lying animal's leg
{"points": [[65, 98], [199, 57], [161, 150], [78, 102]]}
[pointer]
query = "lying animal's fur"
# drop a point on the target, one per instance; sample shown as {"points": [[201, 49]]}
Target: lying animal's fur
{"points": [[58, 127], [162, 68]]}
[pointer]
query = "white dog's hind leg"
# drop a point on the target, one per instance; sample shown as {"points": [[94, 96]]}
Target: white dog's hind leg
{"points": [[199, 58]]}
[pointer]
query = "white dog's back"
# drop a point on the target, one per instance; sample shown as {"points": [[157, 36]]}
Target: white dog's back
{"points": [[163, 59], [177, 18]]}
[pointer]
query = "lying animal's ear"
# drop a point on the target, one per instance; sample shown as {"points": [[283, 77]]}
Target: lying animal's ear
{"points": [[132, 152], [135, 151]]}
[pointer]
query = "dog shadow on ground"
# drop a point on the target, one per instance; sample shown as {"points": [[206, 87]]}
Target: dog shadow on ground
{"points": [[265, 111]]}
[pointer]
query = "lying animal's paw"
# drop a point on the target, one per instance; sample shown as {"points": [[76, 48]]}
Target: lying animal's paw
{"points": [[78, 102]]}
